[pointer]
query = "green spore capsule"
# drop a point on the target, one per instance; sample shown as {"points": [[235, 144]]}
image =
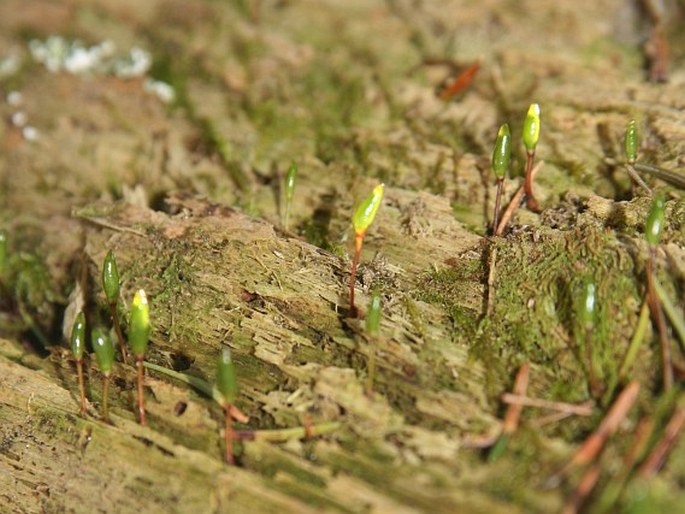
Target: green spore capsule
{"points": [[631, 142], [589, 304], [78, 336], [226, 381], [501, 156], [104, 351], [373, 316], [531, 127], [110, 278], [3, 252], [139, 325], [290, 178], [655, 221], [366, 212]]}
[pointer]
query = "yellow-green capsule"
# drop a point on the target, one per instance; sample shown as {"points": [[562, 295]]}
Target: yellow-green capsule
{"points": [[373, 316], [655, 221], [3, 252], [531, 127], [110, 278], [226, 381], [631, 142], [501, 156], [290, 178], [366, 212], [139, 325], [78, 336], [589, 304], [104, 350]]}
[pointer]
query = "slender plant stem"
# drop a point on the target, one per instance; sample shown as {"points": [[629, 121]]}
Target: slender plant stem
{"points": [[531, 202], [671, 311], [372, 366], [286, 216], [117, 328], [636, 341], [637, 179], [228, 435], [498, 200], [660, 321], [595, 370], [358, 240], [285, 434], [141, 398], [81, 386], [515, 202], [105, 399]]}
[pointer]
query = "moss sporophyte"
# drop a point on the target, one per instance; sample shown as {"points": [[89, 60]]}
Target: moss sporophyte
{"points": [[501, 157], [653, 228], [110, 284], [289, 188], [362, 219], [373, 321], [138, 336], [78, 344], [104, 355], [630, 142], [227, 384], [3, 252], [531, 134]]}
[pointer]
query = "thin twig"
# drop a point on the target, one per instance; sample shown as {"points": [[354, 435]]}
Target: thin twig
{"points": [[637, 178], [658, 455], [568, 408], [585, 486], [286, 434], [617, 413], [513, 413]]}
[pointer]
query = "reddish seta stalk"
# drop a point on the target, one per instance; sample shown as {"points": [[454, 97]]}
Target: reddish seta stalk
{"points": [[358, 239], [228, 435], [81, 385], [141, 400], [531, 202]]}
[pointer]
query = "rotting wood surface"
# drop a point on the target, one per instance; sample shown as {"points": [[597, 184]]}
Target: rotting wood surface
{"points": [[188, 198]]}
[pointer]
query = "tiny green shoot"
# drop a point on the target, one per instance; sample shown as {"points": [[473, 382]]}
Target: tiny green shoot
{"points": [[104, 355], [531, 134], [587, 315], [653, 228], [373, 321], [501, 157], [362, 219], [110, 284], [227, 385], [630, 142], [78, 344], [138, 336], [631, 145], [3, 253], [290, 179]]}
